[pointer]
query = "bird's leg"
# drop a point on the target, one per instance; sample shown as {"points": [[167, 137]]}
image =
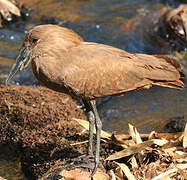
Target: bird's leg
{"points": [[91, 119], [93, 116], [98, 126], [91, 126]]}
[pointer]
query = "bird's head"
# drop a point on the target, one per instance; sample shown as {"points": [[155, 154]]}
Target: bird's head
{"points": [[43, 39]]}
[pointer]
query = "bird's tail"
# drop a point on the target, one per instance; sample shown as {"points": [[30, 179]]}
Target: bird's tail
{"points": [[170, 84], [179, 84]]}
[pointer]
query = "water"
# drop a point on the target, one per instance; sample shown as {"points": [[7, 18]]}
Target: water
{"points": [[10, 165], [108, 22]]}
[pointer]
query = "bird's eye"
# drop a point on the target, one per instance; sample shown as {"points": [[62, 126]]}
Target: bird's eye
{"points": [[34, 40]]}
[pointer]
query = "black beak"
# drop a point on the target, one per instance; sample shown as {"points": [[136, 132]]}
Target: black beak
{"points": [[22, 61]]}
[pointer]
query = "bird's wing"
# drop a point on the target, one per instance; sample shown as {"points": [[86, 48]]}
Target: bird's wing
{"points": [[98, 70]]}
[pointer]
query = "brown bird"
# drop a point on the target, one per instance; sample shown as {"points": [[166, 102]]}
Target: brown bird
{"points": [[62, 61]]}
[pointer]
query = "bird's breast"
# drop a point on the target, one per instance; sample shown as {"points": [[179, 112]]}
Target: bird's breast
{"points": [[48, 74]]}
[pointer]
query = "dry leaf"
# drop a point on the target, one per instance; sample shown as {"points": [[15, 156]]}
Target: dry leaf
{"points": [[119, 172], [112, 175], [170, 151], [170, 171], [166, 178], [141, 10], [2, 178], [117, 139], [136, 148], [180, 157], [85, 124], [126, 171], [79, 143], [130, 150], [185, 137], [11, 7], [169, 136], [134, 134], [182, 173], [134, 163], [159, 142], [150, 171], [152, 135]]}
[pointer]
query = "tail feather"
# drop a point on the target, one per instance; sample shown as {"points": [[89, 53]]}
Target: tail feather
{"points": [[170, 60], [170, 84], [179, 84]]}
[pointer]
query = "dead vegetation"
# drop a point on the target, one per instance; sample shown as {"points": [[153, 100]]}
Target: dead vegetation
{"points": [[40, 121], [152, 156], [10, 10]]}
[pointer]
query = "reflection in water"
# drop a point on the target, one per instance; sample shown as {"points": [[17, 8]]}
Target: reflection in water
{"points": [[13, 169]]}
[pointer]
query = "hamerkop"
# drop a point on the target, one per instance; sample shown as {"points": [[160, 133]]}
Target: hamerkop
{"points": [[62, 61]]}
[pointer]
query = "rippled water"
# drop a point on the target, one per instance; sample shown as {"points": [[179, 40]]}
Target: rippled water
{"points": [[105, 21]]}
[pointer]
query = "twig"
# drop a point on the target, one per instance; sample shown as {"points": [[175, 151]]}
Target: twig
{"points": [[184, 166], [146, 136], [79, 143]]}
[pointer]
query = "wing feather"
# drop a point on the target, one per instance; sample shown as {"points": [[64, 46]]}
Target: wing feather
{"points": [[98, 70]]}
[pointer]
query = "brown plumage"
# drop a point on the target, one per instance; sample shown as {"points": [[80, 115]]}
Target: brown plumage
{"points": [[62, 61]]}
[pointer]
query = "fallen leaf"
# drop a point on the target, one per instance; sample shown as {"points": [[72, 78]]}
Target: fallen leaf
{"points": [[11, 7], [126, 171], [185, 137], [112, 175], [118, 139], [159, 142], [130, 150], [170, 151], [134, 163], [166, 178], [119, 172], [170, 171], [141, 10], [136, 148], [152, 135], [85, 124], [134, 134], [150, 171], [168, 136], [182, 173], [79, 143], [180, 156]]}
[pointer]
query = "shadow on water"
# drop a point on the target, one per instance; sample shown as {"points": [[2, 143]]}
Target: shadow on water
{"points": [[102, 21]]}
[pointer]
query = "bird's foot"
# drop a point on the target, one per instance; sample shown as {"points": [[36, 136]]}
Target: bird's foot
{"points": [[85, 162]]}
